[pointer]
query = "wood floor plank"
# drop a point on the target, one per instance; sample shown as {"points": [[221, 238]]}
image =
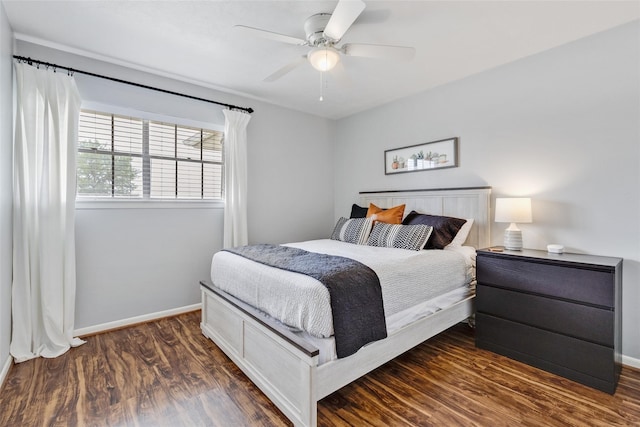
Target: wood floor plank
{"points": [[166, 373]]}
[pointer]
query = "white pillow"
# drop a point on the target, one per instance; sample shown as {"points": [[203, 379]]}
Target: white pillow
{"points": [[462, 234]]}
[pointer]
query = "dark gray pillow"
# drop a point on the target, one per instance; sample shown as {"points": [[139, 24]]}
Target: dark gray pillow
{"points": [[445, 228]]}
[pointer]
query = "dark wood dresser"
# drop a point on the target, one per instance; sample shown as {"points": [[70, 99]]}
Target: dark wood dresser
{"points": [[558, 312]]}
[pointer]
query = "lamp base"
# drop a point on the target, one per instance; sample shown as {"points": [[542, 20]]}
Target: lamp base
{"points": [[513, 240]]}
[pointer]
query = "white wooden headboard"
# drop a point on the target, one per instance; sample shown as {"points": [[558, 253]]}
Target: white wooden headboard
{"points": [[457, 202]]}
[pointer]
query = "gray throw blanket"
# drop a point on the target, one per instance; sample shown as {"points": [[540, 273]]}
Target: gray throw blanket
{"points": [[354, 288]]}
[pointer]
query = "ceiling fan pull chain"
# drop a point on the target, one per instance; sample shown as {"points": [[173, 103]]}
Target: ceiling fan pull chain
{"points": [[321, 86]]}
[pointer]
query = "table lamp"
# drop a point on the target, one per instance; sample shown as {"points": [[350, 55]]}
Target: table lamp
{"points": [[513, 210]]}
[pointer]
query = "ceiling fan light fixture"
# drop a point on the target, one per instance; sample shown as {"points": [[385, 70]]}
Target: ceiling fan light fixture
{"points": [[323, 58]]}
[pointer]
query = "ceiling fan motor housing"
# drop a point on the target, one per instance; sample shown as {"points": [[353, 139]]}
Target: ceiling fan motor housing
{"points": [[314, 29]]}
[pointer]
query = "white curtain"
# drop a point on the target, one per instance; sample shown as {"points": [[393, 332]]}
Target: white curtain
{"points": [[235, 178], [44, 269]]}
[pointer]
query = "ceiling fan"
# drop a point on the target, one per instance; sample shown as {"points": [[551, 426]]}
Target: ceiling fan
{"points": [[323, 33]]}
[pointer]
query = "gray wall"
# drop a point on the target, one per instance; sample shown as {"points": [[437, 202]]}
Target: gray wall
{"points": [[132, 262], [561, 126], [6, 183]]}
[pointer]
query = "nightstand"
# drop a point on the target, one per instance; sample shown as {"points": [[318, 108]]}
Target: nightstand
{"points": [[558, 312]]}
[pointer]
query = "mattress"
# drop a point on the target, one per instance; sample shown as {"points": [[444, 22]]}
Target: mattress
{"points": [[407, 278]]}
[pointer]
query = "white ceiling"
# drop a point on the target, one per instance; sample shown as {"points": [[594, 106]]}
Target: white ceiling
{"points": [[195, 41]]}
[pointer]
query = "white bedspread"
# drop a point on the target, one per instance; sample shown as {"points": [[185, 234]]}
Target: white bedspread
{"points": [[406, 278]]}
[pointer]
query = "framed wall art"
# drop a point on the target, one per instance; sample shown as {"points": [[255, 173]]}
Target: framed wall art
{"points": [[422, 157]]}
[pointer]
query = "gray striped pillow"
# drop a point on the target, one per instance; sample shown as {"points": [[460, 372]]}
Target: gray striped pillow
{"points": [[412, 237], [354, 230]]}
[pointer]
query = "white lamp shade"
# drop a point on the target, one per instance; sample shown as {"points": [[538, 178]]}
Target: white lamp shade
{"points": [[515, 209], [323, 58]]}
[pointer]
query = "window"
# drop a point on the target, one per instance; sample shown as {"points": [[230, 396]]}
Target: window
{"points": [[127, 157]]}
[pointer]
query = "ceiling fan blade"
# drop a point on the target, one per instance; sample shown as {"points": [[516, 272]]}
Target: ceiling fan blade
{"points": [[286, 69], [340, 74], [344, 15], [397, 53], [271, 35]]}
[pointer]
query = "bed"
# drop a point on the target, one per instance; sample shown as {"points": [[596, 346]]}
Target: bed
{"points": [[288, 366]]}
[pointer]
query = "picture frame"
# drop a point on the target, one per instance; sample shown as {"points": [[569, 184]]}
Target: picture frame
{"points": [[427, 156]]}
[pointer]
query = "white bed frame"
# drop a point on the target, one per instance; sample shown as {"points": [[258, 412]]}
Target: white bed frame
{"points": [[286, 368]]}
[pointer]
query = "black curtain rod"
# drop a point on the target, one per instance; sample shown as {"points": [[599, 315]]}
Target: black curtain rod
{"points": [[35, 62]]}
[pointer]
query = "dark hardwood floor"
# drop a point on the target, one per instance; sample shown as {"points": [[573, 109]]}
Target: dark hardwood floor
{"points": [[166, 373]]}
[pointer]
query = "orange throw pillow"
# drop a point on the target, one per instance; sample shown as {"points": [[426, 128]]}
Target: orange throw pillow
{"points": [[390, 216]]}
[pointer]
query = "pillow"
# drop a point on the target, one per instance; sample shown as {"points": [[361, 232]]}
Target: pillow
{"points": [[445, 228], [352, 230], [390, 216], [462, 235], [358, 211], [412, 237]]}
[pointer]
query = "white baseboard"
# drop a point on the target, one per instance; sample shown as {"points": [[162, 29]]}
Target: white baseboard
{"points": [[90, 330], [631, 361], [5, 369]]}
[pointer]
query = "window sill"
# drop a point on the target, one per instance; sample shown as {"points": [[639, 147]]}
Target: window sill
{"points": [[148, 204]]}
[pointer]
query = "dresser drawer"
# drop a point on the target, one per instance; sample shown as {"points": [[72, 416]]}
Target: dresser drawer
{"points": [[576, 284], [571, 357], [576, 320]]}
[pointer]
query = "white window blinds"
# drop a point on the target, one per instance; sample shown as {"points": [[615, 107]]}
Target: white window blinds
{"points": [[126, 157]]}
